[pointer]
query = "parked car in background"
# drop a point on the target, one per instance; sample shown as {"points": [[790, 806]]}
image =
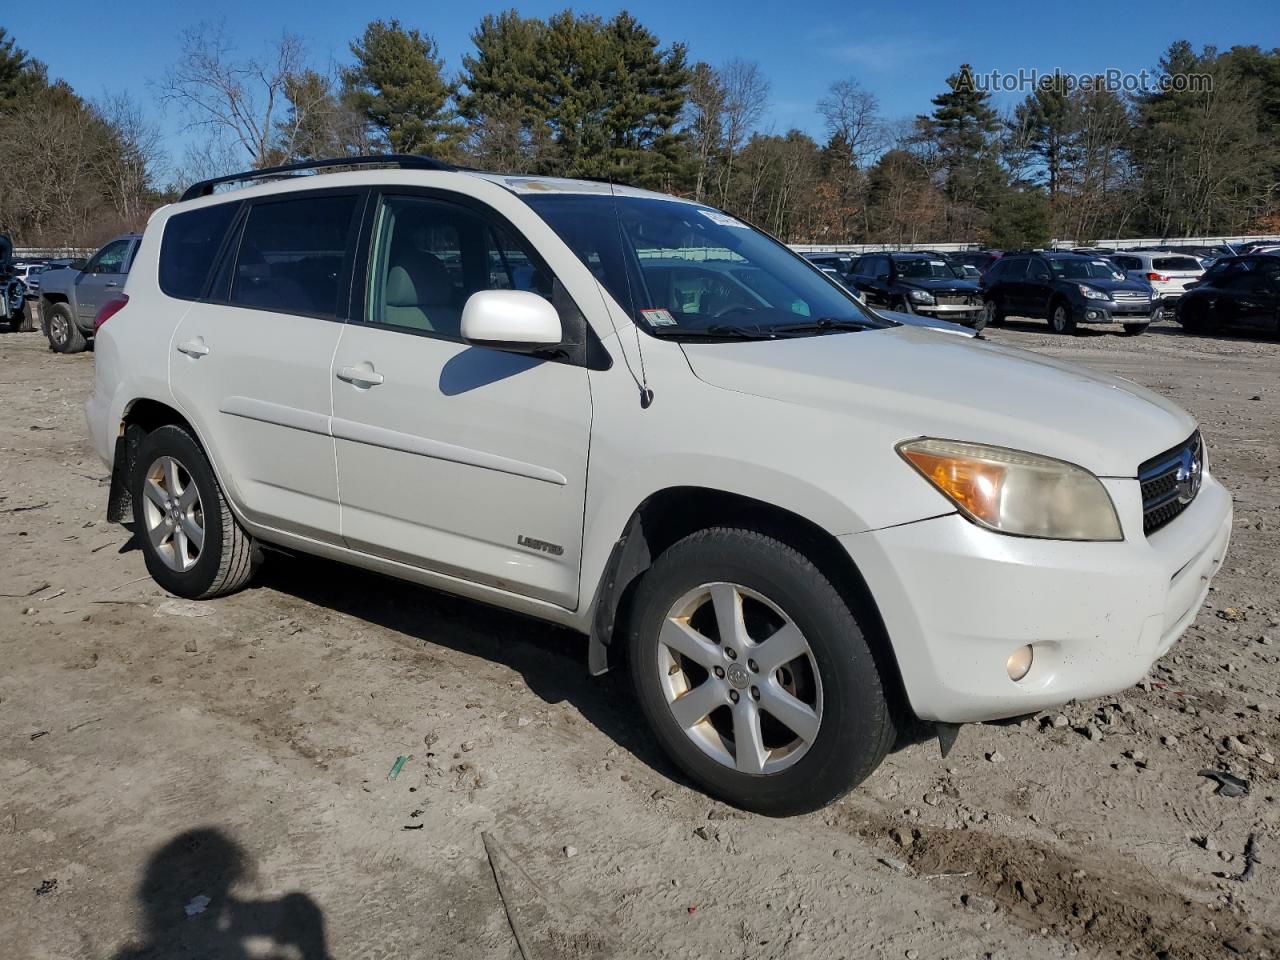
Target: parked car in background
{"points": [[1238, 292], [982, 259], [614, 410], [71, 298], [1168, 274], [13, 289], [917, 283], [1067, 289], [839, 262]]}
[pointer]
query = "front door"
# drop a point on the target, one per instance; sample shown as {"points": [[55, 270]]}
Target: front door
{"points": [[251, 365], [467, 461], [102, 279]]}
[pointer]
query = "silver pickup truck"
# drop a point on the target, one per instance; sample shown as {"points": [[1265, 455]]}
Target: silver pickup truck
{"points": [[70, 299]]}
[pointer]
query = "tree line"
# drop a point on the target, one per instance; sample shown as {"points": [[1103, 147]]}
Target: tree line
{"points": [[583, 96]]}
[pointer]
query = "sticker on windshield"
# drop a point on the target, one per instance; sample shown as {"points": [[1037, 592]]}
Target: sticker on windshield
{"points": [[658, 317], [715, 216]]}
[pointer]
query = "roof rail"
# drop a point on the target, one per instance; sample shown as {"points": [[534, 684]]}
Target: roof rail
{"points": [[403, 161]]}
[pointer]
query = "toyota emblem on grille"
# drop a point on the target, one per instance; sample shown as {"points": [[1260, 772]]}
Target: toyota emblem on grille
{"points": [[1190, 468]]}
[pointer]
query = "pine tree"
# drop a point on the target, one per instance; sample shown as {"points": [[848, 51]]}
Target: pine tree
{"points": [[398, 83]]}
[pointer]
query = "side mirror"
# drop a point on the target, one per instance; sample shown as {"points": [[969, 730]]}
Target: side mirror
{"points": [[510, 320]]}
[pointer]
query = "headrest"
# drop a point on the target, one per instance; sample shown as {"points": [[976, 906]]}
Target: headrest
{"points": [[418, 278]]}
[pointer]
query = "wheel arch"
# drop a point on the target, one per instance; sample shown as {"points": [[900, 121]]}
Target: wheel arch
{"points": [[673, 513], [141, 416]]}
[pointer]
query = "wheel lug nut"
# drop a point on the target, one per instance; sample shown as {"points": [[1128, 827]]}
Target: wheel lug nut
{"points": [[731, 653], [751, 665], [720, 672], [733, 695], [755, 693]]}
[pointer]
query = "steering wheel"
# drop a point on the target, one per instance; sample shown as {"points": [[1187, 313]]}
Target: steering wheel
{"points": [[730, 310]]}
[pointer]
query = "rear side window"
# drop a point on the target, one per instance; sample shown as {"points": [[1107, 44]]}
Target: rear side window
{"points": [[1175, 263], [292, 255], [188, 248]]}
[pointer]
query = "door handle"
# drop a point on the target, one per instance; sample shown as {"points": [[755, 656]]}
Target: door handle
{"points": [[362, 375], [112, 283], [194, 348]]}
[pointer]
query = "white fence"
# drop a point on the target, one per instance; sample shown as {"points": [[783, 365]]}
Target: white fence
{"points": [[1130, 243]]}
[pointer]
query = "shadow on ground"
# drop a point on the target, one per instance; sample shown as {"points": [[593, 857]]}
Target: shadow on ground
{"points": [[190, 908], [551, 659]]}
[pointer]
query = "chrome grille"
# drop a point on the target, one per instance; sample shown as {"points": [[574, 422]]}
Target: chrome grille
{"points": [[1130, 295], [958, 300], [1170, 482]]}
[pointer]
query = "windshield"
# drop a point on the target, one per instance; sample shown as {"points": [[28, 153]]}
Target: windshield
{"points": [[682, 269], [928, 270], [1085, 270]]}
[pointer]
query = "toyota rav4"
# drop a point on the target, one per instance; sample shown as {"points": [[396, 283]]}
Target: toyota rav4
{"points": [[800, 524]]}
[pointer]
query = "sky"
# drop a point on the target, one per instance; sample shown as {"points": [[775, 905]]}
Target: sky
{"points": [[902, 52]]}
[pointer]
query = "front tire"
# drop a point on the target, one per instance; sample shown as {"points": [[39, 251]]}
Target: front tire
{"points": [[755, 675], [64, 335], [193, 544], [1060, 318]]}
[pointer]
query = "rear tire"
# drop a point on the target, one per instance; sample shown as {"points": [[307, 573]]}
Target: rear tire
{"points": [[193, 544], [848, 727], [64, 335]]}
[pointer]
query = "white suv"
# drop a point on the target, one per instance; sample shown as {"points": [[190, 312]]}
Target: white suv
{"points": [[801, 524], [1168, 273]]}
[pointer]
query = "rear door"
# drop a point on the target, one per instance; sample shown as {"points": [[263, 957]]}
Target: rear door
{"points": [[1034, 290], [250, 363], [463, 460], [102, 278]]}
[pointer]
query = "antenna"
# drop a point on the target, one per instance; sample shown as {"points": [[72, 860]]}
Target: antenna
{"points": [[646, 395]]}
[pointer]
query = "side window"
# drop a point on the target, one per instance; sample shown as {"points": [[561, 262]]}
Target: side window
{"points": [[110, 259], [292, 254], [1038, 270], [430, 255], [1014, 269], [187, 250]]}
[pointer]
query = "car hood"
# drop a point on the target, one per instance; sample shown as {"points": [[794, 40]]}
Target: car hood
{"points": [[1110, 285], [915, 382], [940, 283]]}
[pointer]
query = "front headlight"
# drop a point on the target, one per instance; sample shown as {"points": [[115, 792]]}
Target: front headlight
{"points": [[1014, 492], [1092, 293], [921, 296]]}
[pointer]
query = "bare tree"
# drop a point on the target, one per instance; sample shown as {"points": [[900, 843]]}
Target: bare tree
{"points": [[746, 95], [704, 122], [852, 116], [239, 97], [128, 167]]}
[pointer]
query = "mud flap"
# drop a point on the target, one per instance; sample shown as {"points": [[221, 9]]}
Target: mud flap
{"points": [[947, 734], [119, 499]]}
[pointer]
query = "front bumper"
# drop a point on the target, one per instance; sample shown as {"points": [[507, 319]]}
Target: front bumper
{"points": [[956, 312], [957, 600], [1111, 311]]}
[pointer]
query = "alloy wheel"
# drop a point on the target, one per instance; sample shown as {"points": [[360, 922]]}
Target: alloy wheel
{"points": [[740, 678], [174, 514], [58, 330]]}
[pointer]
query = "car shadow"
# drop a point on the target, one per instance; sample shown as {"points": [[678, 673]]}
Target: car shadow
{"points": [[552, 660], [189, 906]]}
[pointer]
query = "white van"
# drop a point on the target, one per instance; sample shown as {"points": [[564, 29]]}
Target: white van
{"points": [[801, 524]]}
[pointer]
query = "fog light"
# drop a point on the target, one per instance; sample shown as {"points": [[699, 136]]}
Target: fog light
{"points": [[1019, 662], [1092, 314]]}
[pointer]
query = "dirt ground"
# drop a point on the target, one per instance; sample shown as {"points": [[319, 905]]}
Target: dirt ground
{"points": [[212, 780]]}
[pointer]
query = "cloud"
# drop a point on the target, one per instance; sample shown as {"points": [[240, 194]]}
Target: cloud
{"points": [[880, 55]]}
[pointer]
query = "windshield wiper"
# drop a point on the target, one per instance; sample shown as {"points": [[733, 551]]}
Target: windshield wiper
{"points": [[822, 325], [717, 331]]}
